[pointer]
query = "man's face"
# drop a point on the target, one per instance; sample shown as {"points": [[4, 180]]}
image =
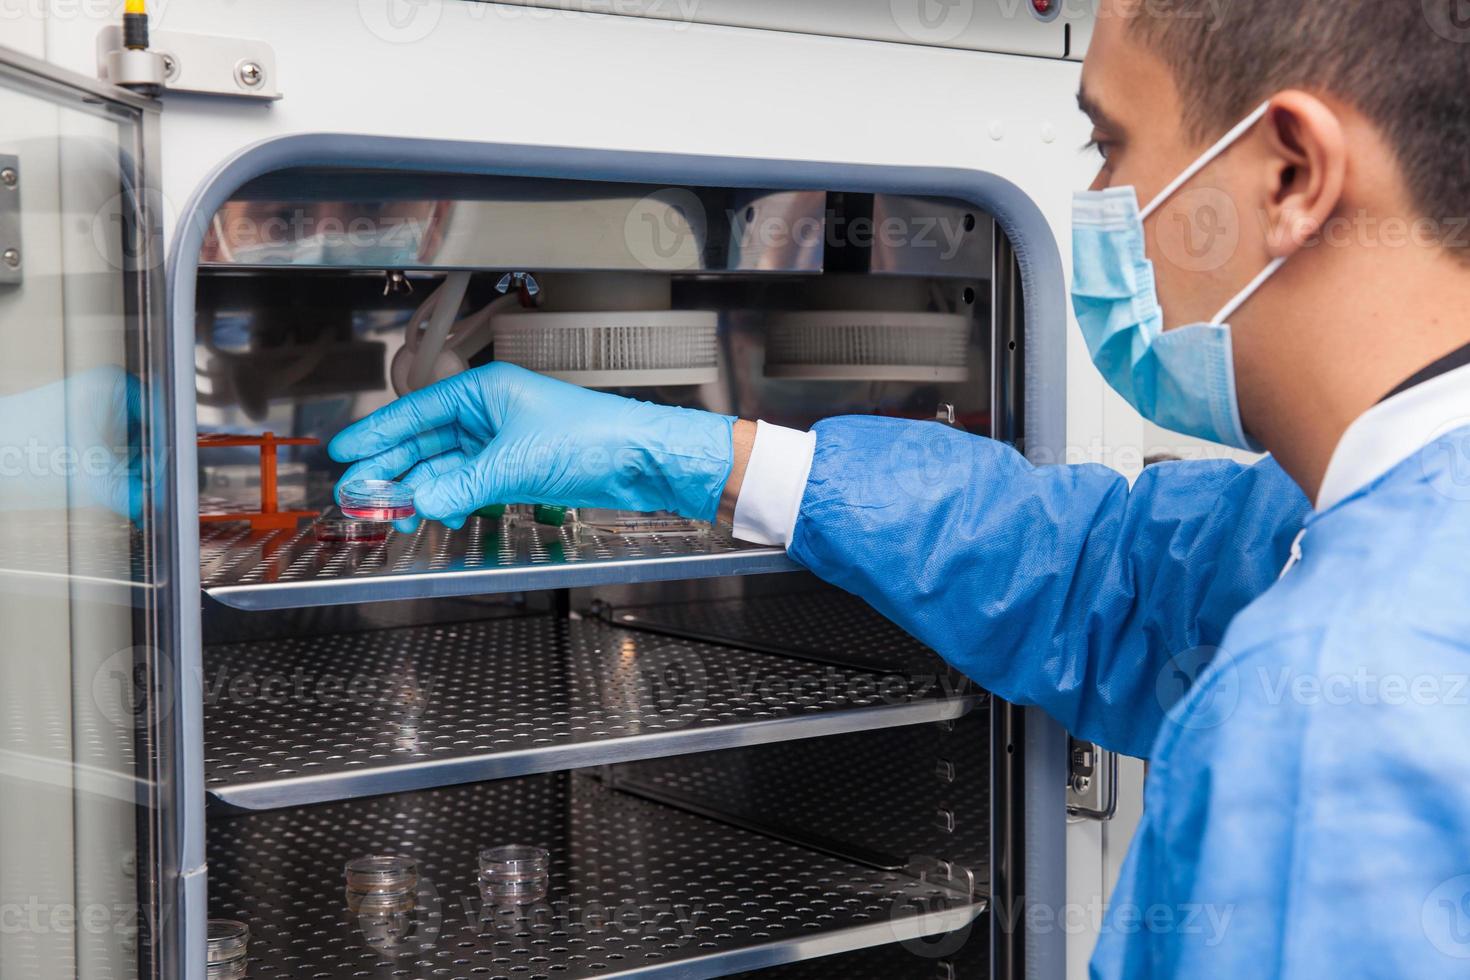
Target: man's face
{"points": [[1195, 238]]}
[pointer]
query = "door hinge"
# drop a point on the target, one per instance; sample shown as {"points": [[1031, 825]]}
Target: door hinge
{"points": [[12, 255], [197, 64], [1092, 780]]}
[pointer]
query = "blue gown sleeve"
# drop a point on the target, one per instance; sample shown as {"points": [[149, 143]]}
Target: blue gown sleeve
{"points": [[1052, 586]]}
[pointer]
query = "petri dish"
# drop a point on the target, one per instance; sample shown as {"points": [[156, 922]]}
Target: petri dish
{"points": [[228, 940], [346, 531], [514, 861], [376, 500], [515, 874], [334, 527], [379, 873]]}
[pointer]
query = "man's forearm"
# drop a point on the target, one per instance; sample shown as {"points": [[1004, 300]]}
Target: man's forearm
{"points": [[744, 441]]}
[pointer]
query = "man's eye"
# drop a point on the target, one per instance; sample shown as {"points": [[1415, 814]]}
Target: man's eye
{"points": [[1103, 147]]}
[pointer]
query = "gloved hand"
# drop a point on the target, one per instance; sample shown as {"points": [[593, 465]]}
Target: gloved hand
{"points": [[502, 434], [74, 442]]}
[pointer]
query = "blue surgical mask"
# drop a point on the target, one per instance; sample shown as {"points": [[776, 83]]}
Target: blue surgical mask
{"points": [[1182, 379]]}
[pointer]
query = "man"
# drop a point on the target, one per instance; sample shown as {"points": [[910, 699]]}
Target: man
{"points": [[1311, 790]]}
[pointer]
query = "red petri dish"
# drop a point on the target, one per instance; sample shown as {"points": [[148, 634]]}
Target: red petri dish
{"points": [[376, 500]]}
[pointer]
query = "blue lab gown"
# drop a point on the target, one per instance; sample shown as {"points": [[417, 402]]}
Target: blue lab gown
{"points": [[1307, 812]]}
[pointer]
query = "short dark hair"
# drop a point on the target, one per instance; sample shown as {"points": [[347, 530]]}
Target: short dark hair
{"points": [[1405, 64]]}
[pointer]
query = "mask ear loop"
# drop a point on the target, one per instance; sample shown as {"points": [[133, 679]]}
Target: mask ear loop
{"points": [[1248, 292], [1209, 157]]}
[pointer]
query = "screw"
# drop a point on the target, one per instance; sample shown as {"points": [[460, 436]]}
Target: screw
{"points": [[11, 257], [9, 177], [170, 67], [250, 74]]}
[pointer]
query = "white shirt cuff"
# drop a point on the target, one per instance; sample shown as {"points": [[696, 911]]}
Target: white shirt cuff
{"points": [[775, 480]]}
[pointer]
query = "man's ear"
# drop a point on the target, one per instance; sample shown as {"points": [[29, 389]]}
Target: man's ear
{"points": [[1307, 165]]}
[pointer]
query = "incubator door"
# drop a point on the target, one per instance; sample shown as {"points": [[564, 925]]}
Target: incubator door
{"points": [[87, 610]]}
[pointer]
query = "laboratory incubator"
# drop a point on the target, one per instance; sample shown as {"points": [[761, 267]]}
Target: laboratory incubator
{"points": [[582, 743]]}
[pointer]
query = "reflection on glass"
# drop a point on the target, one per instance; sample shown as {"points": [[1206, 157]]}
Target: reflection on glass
{"points": [[79, 613]]}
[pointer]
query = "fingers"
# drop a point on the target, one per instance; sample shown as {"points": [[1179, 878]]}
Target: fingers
{"points": [[391, 464], [453, 494], [431, 470], [418, 412]]}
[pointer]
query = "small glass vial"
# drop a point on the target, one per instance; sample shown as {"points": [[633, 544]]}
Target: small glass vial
{"points": [[376, 500], [380, 878], [515, 874], [228, 949]]}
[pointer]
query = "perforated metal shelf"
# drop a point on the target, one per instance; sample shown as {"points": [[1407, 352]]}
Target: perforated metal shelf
{"points": [[636, 890], [289, 569], [821, 624], [313, 719]]}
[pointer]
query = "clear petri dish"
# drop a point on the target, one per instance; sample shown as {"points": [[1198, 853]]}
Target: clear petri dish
{"points": [[380, 873], [507, 894], [228, 940], [514, 862], [376, 500], [334, 527]]}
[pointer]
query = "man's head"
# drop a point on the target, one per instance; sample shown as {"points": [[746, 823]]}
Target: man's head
{"points": [[1362, 163]]}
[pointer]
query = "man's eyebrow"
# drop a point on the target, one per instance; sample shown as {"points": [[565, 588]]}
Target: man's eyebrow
{"points": [[1089, 105]]}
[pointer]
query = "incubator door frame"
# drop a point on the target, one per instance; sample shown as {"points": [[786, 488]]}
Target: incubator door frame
{"points": [[118, 764]]}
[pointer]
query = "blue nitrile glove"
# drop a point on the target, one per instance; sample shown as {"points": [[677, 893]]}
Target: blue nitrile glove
{"points": [[502, 434], [74, 442]]}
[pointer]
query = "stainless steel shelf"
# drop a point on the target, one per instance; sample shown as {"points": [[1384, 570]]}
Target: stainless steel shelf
{"points": [[824, 624], [314, 719], [289, 569], [637, 890]]}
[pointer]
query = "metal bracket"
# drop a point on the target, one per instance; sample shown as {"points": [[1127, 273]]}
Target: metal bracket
{"points": [[946, 874], [197, 64], [1092, 781], [12, 256]]}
